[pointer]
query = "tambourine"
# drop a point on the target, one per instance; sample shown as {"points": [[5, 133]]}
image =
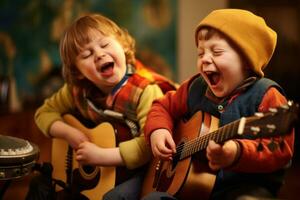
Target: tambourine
{"points": [[17, 157]]}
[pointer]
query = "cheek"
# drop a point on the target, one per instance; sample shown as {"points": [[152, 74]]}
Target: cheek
{"points": [[84, 69]]}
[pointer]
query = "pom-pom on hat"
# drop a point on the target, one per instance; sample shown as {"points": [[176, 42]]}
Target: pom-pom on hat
{"points": [[248, 31]]}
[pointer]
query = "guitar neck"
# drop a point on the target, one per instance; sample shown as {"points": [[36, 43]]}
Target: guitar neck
{"points": [[229, 131]]}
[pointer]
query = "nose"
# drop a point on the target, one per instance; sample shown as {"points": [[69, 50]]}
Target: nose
{"points": [[206, 58], [99, 53], [204, 61]]}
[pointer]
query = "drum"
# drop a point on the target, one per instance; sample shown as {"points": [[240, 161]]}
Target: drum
{"points": [[17, 157]]}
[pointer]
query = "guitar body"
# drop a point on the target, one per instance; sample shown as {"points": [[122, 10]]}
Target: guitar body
{"points": [[187, 177], [92, 182]]}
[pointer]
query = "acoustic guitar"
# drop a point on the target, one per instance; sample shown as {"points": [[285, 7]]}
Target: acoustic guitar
{"points": [[187, 177], [89, 182]]}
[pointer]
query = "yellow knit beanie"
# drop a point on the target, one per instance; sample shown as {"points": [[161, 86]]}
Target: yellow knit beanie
{"points": [[248, 31]]}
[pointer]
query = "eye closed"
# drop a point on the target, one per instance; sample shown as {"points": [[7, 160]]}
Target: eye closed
{"points": [[217, 52], [85, 54], [104, 45]]}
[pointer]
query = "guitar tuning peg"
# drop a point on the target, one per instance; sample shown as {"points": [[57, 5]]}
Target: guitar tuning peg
{"points": [[289, 103], [272, 145], [273, 110], [285, 106], [271, 127], [259, 114], [260, 147]]}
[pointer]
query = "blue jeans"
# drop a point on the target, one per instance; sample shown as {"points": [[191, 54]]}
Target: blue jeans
{"points": [[242, 192], [128, 190]]}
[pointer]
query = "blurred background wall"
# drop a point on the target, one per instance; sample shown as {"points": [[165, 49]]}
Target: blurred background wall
{"points": [[30, 32]]}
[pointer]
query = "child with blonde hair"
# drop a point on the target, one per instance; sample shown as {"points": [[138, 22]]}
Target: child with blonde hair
{"points": [[103, 83]]}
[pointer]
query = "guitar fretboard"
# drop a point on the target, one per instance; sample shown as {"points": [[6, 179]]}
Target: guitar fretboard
{"points": [[224, 133]]}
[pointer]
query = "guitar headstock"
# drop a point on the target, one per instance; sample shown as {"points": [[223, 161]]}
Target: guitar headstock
{"points": [[278, 121]]}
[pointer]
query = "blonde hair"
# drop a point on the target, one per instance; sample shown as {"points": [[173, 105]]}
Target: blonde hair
{"points": [[76, 36]]}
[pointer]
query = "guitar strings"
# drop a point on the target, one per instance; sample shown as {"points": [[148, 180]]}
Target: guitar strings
{"points": [[186, 149], [195, 143]]}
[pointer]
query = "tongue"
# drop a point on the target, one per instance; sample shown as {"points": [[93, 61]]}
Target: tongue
{"points": [[107, 71], [214, 79]]}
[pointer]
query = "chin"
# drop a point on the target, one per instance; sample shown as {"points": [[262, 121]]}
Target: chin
{"points": [[114, 80], [219, 94]]}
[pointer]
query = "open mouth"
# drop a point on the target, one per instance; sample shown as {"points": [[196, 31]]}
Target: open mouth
{"points": [[107, 69], [213, 77]]}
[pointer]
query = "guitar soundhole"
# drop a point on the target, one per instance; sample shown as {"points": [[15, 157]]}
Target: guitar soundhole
{"points": [[167, 174], [166, 177], [85, 178], [89, 172], [175, 160], [88, 169], [176, 157]]}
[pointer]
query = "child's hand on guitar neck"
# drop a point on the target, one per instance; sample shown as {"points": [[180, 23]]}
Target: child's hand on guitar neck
{"points": [[162, 144], [222, 156]]}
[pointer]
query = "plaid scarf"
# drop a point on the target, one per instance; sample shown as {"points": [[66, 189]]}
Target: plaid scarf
{"points": [[125, 96], [123, 100]]}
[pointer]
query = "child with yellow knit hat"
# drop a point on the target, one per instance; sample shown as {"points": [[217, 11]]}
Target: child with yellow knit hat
{"points": [[234, 46]]}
